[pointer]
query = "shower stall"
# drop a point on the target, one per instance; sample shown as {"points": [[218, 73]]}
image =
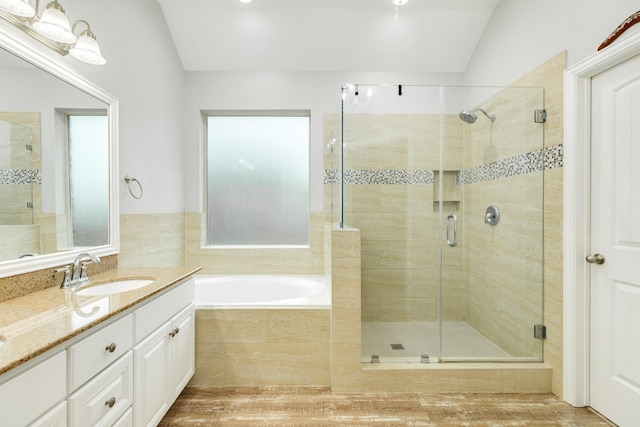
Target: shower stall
{"points": [[445, 185]]}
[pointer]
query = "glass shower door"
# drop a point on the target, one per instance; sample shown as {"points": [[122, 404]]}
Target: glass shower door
{"points": [[492, 278]]}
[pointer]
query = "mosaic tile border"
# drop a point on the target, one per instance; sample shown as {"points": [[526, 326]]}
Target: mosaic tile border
{"points": [[535, 161], [379, 176], [20, 176]]}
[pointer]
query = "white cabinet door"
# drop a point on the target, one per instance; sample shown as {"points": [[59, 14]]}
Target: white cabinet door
{"points": [[182, 348], [615, 233], [56, 417], [32, 393], [151, 361]]}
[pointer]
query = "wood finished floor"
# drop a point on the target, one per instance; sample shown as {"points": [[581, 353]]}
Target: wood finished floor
{"points": [[306, 407]]}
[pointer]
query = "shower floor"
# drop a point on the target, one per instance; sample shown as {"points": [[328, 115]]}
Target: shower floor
{"points": [[459, 341]]}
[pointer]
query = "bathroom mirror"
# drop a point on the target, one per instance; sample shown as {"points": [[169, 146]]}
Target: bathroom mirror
{"points": [[58, 163]]}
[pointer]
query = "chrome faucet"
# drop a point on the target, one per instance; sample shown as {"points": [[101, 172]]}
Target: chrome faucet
{"points": [[76, 273], [79, 276]]}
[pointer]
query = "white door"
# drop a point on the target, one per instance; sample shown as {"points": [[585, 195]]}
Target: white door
{"points": [[615, 234]]}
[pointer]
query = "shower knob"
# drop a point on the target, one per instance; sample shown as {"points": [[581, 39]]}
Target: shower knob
{"points": [[492, 215], [595, 259]]}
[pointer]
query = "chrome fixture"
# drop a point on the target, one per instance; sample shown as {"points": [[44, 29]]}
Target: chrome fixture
{"points": [[469, 116], [80, 268], [53, 29], [492, 215], [540, 116], [76, 273], [129, 179], [595, 259], [540, 332], [453, 242]]}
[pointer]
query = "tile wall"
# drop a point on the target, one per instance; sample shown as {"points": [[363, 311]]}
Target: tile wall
{"points": [[257, 348], [254, 260], [389, 196]]}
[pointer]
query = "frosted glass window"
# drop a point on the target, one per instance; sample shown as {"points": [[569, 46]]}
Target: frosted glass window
{"points": [[258, 179], [88, 179]]}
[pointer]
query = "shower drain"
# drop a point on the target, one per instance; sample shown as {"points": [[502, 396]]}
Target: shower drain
{"points": [[397, 347]]}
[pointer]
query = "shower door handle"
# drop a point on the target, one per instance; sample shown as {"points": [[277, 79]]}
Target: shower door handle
{"points": [[453, 242]]}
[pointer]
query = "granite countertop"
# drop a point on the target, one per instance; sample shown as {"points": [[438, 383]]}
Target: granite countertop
{"points": [[32, 324]]}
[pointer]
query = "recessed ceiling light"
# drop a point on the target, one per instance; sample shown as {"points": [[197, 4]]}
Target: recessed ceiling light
{"points": [[399, 2], [245, 1]]}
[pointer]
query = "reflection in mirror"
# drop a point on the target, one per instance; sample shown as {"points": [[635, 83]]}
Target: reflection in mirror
{"points": [[57, 168], [88, 169]]}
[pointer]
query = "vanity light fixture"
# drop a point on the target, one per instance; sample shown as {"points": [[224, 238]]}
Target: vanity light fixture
{"points": [[86, 48], [21, 8], [53, 29]]}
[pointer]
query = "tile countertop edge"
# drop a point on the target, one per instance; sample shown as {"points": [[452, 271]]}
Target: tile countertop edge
{"points": [[55, 327]]}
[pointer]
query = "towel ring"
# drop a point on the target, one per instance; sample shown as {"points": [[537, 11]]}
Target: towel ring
{"points": [[128, 179]]}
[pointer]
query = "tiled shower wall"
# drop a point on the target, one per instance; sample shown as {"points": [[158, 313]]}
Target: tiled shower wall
{"points": [[23, 229], [503, 164], [389, 196]]}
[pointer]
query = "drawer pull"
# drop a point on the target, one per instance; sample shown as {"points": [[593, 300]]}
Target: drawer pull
{"points": [[111, 347], [174, 332], [110, 402]]}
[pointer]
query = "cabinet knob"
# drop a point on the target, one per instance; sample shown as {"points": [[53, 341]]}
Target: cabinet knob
{"points": [[111, 347], [174, 332], [110, 402]]}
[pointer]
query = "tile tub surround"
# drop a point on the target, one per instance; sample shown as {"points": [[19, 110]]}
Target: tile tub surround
{"points": [[350, 375], [35, 323], [294, 260], [262, 347]]}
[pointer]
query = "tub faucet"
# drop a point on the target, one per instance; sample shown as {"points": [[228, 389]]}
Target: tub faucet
{"points": [[79, 276]]}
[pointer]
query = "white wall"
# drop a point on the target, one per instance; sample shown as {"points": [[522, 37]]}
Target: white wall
{"points": [[317, 91], [144, 72], [522, 34]]}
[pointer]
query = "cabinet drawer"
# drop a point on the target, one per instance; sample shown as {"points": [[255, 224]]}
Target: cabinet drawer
{"points": [[97, 351], [56, 417], [161, 309], [106, 397], [32, 393], [126, 420]]}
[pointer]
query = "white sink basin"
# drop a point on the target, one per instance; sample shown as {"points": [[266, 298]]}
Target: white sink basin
{"points": [[114, 287]]}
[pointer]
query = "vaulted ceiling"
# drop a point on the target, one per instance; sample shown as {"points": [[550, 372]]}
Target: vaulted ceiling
{"points": [[327, 35]]}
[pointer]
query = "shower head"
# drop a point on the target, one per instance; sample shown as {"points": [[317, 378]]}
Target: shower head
{"points": [[469, 116]]}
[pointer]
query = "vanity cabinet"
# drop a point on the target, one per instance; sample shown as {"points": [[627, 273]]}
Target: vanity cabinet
{"points": [[25, 398], [163, 361], [125, 372]]}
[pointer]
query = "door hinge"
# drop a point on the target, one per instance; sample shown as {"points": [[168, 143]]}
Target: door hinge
{"points": [[540, 116], [540, 332]]}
